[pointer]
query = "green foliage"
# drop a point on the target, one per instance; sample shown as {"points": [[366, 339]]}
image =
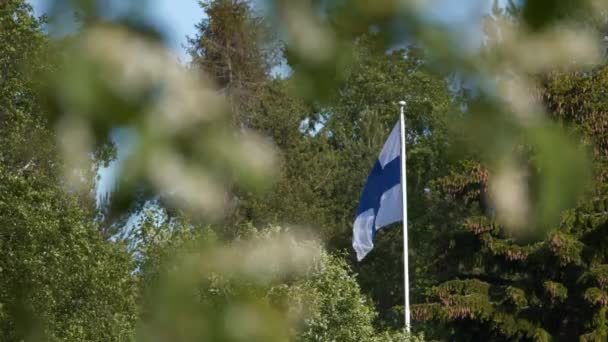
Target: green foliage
{"points": [[557, 292], [473, 272], [60, 279], [207, 293], [553, 288], [338, 311], [327, 151], [23, 47], [233, 46], [28, 145], [517, 297], [336, 28]]}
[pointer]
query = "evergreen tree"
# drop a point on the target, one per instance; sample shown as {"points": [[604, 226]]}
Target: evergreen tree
{"points": [[500, 288], [280, 115], [234, 46]]}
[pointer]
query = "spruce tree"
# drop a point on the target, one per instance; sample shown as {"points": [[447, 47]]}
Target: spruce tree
{"points": [[498, 287], [235, 48]]}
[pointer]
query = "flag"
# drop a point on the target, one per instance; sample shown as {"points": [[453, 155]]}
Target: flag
{"points": [[380, 203]]}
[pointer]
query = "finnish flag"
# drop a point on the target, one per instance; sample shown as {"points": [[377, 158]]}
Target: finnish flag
{"points": [[380, 203]]}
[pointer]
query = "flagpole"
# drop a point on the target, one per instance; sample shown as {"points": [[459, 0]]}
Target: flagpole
{"points": [[406, 276]]}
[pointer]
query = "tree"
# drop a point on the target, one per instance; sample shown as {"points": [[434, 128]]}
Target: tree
{"points": [[60, 280], [318, 302], [496, 285], [22, 41], [235, 48], [279, 115], [23, 45], [327, 152], [500, 287]]}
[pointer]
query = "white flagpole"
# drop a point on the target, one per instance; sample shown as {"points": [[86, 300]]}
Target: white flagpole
{"points": [[406, 275]]}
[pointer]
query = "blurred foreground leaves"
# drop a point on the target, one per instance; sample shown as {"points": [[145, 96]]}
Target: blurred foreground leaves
{"points": [[186, 148], [64, 281], [507, 115], [267, 286]]}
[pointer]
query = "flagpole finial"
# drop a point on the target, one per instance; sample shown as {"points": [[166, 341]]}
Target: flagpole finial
{"points": [[402, 103]]}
